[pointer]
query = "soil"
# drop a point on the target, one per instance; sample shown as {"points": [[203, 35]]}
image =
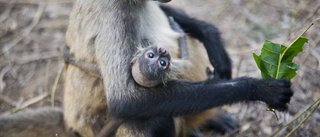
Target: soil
{"points": [[31, 33]]}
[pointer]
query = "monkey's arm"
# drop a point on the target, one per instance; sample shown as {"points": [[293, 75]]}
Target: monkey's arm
{"points": [[209, 35], [86, 66], [181, 97]]}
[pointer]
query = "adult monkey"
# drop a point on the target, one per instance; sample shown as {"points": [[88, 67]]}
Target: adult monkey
{"points": [[108, 32], [47, 121]]}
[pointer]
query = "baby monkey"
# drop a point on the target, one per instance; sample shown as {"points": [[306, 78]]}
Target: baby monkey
{"points": [[150, 67], [153, 66]]}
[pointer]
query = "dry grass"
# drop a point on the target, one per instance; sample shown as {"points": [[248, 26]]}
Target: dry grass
{"points": [[31, 31]]}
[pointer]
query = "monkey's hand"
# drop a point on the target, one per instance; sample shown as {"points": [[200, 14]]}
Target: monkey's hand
{"points": [[276, 93]]}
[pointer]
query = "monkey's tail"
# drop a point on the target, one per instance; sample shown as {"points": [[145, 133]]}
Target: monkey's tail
{"points": [[40, 122]]}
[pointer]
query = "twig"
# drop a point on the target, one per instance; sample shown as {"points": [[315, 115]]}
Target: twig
{"points": [[26, 32], [314, 109], [295, 118], [33, 100], [19, 105], [53, 92], [274, 112]]}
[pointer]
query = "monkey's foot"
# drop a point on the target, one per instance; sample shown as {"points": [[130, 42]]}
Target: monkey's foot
{"points": [[223, 123]]}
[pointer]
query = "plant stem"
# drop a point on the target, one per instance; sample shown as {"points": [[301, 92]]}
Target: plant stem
{"points": [[302, 33], [317, 101], [272, 110], [314, 109], [53, 91]]}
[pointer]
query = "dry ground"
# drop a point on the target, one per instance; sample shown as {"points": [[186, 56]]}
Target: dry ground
{"points": [[31, 32]]}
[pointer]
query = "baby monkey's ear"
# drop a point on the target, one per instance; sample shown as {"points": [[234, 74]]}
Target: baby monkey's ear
{"points": [[136, 56]]}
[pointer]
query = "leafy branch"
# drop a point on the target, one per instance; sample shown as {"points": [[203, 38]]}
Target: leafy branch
{"points": [[276, 61]]}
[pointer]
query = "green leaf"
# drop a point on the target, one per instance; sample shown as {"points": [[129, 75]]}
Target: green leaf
{"points": [[294, 49], [275, 60]]}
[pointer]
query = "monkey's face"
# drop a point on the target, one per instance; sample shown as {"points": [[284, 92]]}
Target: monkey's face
{"points": [[151, 66], [156, 56], [155, 62]]}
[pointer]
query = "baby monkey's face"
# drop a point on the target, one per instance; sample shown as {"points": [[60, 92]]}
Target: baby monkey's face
{"points": [[157, 57], [150, 68]]}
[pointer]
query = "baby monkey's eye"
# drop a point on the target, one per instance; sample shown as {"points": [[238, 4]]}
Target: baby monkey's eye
{"points": [[163, 63], [150, 55]]}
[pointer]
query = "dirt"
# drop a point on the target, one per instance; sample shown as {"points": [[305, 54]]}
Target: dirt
{"points": [[32, 31]]}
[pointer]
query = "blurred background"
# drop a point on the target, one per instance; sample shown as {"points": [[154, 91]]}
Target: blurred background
{"points": [[31, 32]]}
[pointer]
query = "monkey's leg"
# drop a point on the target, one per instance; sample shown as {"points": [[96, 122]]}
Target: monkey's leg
{"points": [[222, 123], [206, 33]]}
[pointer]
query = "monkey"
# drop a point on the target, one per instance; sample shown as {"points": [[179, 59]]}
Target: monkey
{"points": [[117, 29], [109, 32]]}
